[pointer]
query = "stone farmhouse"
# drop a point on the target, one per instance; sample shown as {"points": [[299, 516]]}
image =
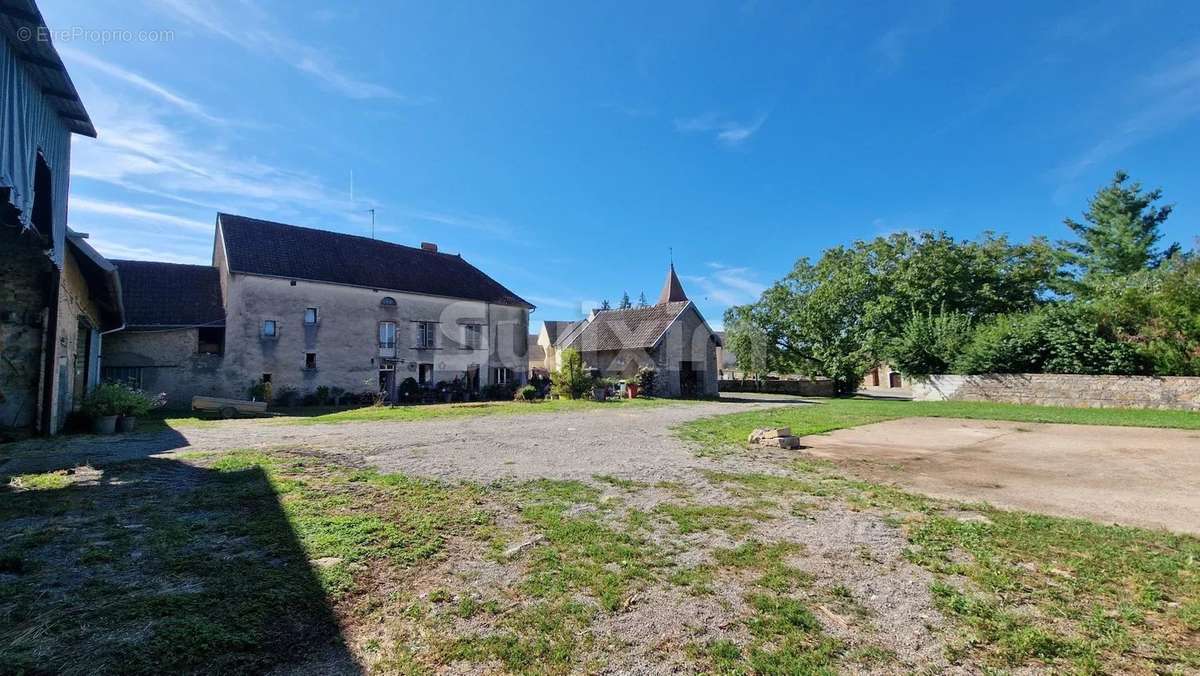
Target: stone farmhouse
{"points": [[670, 336], [58, 297], [302, 308]]}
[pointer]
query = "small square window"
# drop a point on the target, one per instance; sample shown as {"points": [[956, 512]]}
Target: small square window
{"points": [[266, 377], [269, 328], [310, 360], [310, 315]]}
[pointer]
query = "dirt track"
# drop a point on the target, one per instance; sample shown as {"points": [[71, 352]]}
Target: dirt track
{"points": [[1128, 475]]}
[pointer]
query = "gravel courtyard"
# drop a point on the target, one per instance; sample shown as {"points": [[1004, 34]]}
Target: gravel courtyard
{"points": [[605, 543], [633, 443]]}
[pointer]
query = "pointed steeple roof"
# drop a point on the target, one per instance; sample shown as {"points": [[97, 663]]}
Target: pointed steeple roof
{"points": [[672, 291]]}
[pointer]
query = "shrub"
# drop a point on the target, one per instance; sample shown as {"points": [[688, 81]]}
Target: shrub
{"points": [[408, 389], [104, 400], [571, 381], [929, 343], [286, 396], [323, 395], [645, 380], [260, 391], [1065, 338], [137, 403], [526, 393], [120, 399]]}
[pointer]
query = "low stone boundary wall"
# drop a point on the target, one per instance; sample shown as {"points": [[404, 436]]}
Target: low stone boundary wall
{"points": [[803, 388], [1049, 389]]}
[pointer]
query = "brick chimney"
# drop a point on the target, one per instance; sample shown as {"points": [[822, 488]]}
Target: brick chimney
{"points": [[429, 246]]}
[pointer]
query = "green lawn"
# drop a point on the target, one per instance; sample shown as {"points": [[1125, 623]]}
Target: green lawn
{"points": [[833, 414], [320, 415]]}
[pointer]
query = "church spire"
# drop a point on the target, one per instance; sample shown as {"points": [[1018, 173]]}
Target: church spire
{"points": [[672, 290]]}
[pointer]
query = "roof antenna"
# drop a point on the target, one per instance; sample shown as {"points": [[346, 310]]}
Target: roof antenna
{"points": [[671, 253], [372, 210]]}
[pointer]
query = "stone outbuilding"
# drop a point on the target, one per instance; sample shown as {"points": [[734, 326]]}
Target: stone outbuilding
{"points": [[670, 337], [58, 296], [303, 309]]}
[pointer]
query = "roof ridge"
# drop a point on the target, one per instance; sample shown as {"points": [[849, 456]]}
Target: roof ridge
{"points": [[338, 234], [119, 261]]}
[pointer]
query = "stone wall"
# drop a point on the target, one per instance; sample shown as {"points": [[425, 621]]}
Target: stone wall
{"points": [[24, 280], [1048, 389], [803, 388], [167, 362]]}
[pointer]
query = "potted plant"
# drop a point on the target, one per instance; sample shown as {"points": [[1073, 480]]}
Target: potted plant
{"points": [[102, 405], [600, 389], [135, 404]]}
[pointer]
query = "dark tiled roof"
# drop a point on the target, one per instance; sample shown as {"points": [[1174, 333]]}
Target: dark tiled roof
{"points": [[635, 328], [267, 248], [170, 294], [555, 329]]}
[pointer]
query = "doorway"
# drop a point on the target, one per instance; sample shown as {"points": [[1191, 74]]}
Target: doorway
{"points": [[689, 380]]}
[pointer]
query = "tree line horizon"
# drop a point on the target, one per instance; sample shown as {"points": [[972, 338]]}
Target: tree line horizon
{"points": [[1112, 299]]}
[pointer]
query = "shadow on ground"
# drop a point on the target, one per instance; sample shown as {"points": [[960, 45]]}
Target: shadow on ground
{"points": [[157, 566]]}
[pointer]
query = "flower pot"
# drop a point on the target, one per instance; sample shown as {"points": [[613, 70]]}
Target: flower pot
{"points": [[598, 393], [127, 424], [632, 389], [104, 424]]}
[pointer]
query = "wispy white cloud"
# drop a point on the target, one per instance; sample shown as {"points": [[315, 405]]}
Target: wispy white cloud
{"points": [[894, 45], [727, 285], [117, 249], [727, 131], [139, 214], [1162, 101], [253, 30], [79, 57]]}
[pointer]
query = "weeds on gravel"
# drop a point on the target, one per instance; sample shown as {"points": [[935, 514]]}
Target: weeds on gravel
{"points": [[787, 637], [733, 519], [581, 552], [1106, 596], [1064, 592]]}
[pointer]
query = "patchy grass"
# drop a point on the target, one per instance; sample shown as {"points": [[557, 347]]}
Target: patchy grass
{"points": [[1040, 590], [160, 565], [1105, 597], [733, 519], [436, 411], [44, 481], [786, 637], [717, 433]]}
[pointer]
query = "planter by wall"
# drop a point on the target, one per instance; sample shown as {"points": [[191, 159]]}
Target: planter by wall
{"points": [[127, 424], [104, 424]]}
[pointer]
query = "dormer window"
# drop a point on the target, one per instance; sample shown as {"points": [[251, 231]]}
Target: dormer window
{"points": [[388, 301]]}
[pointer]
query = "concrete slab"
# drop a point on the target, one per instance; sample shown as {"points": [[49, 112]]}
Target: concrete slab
{"points": [[1128, 475]]}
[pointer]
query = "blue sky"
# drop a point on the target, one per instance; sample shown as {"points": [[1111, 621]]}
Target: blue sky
{"points": [[565, 147]]}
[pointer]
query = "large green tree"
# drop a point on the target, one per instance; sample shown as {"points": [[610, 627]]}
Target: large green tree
{"points": [[837, 317], [1119, 234]]}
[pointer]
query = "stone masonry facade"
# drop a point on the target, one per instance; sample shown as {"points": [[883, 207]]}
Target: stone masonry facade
{"points": [[1048, 389]]}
